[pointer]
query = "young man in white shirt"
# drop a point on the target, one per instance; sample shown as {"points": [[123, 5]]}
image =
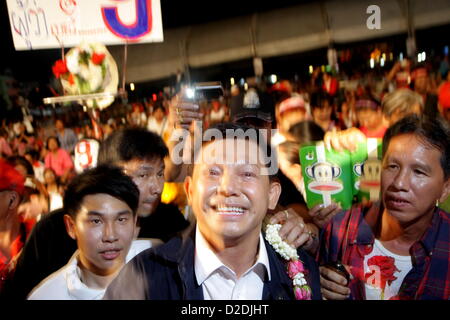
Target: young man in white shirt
{"points": [[225, 255], [100, 206]]}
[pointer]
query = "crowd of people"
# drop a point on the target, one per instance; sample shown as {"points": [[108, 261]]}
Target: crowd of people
{"points": [[135, 224]]}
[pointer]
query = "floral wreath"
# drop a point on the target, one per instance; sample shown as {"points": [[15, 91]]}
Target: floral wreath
{"points": [[295, 267], [87, 68]]}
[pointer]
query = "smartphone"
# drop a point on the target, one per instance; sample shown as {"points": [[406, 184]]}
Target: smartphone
{"points": [[206, 91]]}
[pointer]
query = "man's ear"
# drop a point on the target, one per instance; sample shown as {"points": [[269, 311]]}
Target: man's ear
{"points": [[274, 194], [188, 188], [14, 200], [70, 226]]}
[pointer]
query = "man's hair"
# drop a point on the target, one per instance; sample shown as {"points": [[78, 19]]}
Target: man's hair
{"points": [[103, 179], [306, 131], [291, 149], [318, 99], [131, 143], [401, 100], [19, 160], [234, 127], [434, 132]]}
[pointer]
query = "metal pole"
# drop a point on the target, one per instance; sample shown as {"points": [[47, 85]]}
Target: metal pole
{"points": [[124, 65]]}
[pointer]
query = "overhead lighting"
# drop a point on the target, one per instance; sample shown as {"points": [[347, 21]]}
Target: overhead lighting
{"points": [[311, 69], [132, 86], [372, 63], [273, 78], [232, 81], [421, 56], [382, 62], [246, 86]]}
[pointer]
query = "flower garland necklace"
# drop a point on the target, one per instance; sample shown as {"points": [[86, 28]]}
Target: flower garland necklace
{"points": [[295, 268]]}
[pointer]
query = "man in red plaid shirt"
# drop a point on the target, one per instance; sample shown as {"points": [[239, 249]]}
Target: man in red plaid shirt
{"points": [[398, 248]]}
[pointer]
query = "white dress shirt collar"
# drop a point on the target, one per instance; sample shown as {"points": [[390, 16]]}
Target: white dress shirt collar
{"points": [[206, 262]]}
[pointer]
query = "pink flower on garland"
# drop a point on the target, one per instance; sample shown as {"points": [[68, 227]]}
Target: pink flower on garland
{"points": [[302, 293], [295, 267]]}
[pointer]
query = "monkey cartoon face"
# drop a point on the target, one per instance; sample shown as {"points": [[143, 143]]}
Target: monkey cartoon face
{"points": [[324, 175], [371, 172]]}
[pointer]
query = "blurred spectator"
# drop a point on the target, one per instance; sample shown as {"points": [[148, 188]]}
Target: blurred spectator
{"points": [[58, 159], [34, 199], [323, 112], [330, 84], [401, 103], [348, 116], [67, 137], [290, 112], [420, 82], [23, 141], [217, 113], [157, 122], [5, 148], [54, 189], [38, 166], [369, 115], [137, 117]]}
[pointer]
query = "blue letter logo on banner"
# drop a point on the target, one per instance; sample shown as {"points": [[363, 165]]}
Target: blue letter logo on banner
{"points": [[141, 26]]}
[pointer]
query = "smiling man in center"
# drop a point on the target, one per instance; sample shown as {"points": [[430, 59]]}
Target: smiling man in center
{"points": [[224, 256]]}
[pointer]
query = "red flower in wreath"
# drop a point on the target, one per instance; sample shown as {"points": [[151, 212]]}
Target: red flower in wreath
{"points": [[59, 68], [386, 268], [97, 58]]}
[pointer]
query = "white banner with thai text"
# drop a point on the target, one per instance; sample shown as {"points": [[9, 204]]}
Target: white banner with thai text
{"points": [[45, 24]]}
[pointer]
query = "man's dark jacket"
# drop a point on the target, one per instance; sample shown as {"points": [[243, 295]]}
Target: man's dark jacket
{"points": [[167, 273]]}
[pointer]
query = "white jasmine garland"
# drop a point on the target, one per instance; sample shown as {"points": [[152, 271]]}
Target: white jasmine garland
{"points": [[284, 249], [295, 267]]}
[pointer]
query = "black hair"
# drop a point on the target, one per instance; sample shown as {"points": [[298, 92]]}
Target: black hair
{"points": [[306, 131], [226, 127], [102, 179], [19, 160], [435, 132], [52, 137], [159, 106], [131, 143], [33, 154], [318, 99], [291, 148]]}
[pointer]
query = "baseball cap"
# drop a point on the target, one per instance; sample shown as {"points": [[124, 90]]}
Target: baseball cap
{"points": [[292, 103], [10, 178], [252, 104]]}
